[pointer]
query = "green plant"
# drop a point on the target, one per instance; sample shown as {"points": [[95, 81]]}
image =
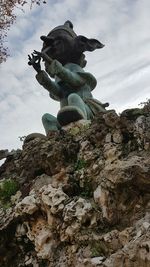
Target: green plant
{"points": [[7, 189], [80, 164], [22, 138], [98, 249], [43, 263], [87, 187], [87, 190], [144, 103]]}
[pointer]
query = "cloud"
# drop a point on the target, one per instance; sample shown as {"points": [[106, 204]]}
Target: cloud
{"points": [[121, 67]]}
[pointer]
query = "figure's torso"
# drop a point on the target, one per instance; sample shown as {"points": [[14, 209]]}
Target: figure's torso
{"points": [[84, 92]]}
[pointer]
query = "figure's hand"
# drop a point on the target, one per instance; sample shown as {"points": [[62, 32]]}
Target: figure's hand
{"points": [[37, 53], [34, 60], [55, 68], [44, 56]]}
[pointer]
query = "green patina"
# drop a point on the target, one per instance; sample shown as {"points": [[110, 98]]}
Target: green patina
{"points": [[64, 59]]}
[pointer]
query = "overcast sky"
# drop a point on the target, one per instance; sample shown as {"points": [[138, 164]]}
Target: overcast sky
{"points": [[122, 67]]}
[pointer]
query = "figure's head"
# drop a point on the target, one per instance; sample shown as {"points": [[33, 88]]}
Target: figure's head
{"points": [[63, 44]]}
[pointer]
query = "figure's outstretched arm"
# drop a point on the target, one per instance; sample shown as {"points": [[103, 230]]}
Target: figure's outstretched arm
{"points": [[56, 68], [70, 77], [48, 84], [42, 77]]}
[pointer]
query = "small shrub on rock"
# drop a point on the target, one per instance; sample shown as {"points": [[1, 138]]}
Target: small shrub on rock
{"points": [[7, 189]]}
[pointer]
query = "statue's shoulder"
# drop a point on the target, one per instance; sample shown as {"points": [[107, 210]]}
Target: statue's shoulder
{"points": [[90, 79], [74, 67]]}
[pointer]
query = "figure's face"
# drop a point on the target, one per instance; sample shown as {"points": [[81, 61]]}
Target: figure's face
{"points": [[59, 46]]}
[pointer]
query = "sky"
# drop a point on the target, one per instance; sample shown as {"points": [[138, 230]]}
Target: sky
{"points": [[122, 67]]}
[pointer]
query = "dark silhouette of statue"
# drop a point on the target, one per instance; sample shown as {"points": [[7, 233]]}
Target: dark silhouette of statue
{"points": [[64, 76]]}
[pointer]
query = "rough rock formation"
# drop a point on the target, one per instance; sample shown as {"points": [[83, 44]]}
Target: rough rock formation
{"points": [[79, 197]]}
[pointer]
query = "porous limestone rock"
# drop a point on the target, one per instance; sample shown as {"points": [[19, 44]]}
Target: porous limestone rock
{"points": [[28, 205], [39, 233], [75, 214], [54, 198], [84, 196], [78, 209]]}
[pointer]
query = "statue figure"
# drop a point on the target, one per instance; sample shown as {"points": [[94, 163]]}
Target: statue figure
{"points": [[62, 53]]}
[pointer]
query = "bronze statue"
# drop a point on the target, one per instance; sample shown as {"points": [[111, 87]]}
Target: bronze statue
{"points": [[64, 59]]}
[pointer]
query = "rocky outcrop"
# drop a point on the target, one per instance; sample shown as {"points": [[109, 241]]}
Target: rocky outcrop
{"points": [[3, 153], [82, 196]]}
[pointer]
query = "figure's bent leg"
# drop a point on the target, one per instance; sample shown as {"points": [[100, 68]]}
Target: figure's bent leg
{"points": [[76, 110], [50, 123], [76, 100]]}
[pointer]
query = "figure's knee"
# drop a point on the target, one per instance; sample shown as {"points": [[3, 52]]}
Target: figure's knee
{"points": [[77, 101], [46, 118], [73, 99], [50, 123]]}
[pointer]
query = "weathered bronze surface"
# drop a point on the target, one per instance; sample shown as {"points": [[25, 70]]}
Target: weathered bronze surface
{"points": [[64, 60]]}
